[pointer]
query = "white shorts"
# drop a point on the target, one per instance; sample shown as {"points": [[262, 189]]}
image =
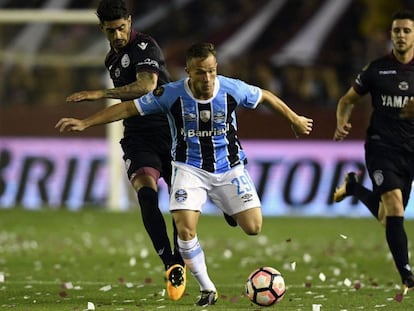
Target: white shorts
{"points": [[232, 191]]}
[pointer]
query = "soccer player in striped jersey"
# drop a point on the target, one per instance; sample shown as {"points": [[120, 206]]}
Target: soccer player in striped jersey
{"points": [[208, 159]]}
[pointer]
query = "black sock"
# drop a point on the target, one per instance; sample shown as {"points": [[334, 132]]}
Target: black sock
{"points": [[366, 196], [177, 255], [155, 224], [397, 243]]}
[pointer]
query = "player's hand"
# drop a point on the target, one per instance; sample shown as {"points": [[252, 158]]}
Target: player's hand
{"points": [[302, 126], [70, 125], [342, 132], [407, 112], [85, 95]]}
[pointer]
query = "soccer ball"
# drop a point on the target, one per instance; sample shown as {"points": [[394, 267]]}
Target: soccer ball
{"points": [[265, 286]]}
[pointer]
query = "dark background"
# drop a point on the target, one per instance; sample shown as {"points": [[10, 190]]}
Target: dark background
{"points": [[33, 87]]}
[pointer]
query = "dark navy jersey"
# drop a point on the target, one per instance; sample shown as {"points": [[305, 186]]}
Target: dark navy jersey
{"points": [[390, 84], [204, 132], [141, 54]]}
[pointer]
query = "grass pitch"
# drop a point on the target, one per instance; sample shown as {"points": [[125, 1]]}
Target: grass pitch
{"points": [[72, 261]]}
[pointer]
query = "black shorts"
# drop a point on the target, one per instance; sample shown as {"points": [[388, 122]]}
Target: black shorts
{"points": [[389, 169], [149, 149]]}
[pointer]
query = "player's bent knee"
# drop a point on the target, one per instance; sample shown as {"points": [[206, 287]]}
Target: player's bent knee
{"points": [[252, 229], [250, 221], [186, 224], [186, 233]]}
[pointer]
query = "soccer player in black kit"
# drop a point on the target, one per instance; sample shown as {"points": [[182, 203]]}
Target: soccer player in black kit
{"points": [[389, 142], [136, 65]]}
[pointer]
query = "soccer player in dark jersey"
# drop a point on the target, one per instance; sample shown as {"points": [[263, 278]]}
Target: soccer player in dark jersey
{"points": [[389, 143], [136, 66], [208, 160]]}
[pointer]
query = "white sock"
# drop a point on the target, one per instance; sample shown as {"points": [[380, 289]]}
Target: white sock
{"points": [[194, 259]]}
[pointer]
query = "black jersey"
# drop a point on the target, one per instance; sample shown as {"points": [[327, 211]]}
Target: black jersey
{"points": [[142, 53], [390, 84]]}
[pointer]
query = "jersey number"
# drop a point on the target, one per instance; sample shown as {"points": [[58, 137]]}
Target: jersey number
{"points": [[243, 184]]}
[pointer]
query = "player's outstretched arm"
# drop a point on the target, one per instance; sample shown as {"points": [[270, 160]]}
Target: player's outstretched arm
{"points": [[300, 125], [86, 95], [112, 113], [145, 83]]}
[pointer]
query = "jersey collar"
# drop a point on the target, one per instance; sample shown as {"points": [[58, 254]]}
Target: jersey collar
{"points": [[188, 90]]}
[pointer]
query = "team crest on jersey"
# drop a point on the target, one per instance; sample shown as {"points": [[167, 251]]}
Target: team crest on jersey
{"points": [[125, 61], [159, 91], [180, 195], [205, 115], [378, 177], [117, 72], [403, 86], [146, 99]]}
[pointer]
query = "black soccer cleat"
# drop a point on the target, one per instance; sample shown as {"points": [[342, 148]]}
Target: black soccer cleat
{"points": [[208, 297], [176, 281], [230, 220], [340, 192]]}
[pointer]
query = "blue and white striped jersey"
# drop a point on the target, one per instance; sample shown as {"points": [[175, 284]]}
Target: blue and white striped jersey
{"points": [[204, 132]]}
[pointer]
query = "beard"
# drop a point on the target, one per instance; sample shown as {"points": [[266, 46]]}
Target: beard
{"points": [[402, 49]]}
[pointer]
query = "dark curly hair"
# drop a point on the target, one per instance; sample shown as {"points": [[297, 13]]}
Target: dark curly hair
{"points": [[110, 10]]}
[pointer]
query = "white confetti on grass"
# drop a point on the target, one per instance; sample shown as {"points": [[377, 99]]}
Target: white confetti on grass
{"points": [[91, 306], [144, 253], [262, 240], [322, 277], [336, 271], [343, 236], [227, 253], [293, 266], [105, 288], [2, 277], [316, 307], [162, 293], [68, 285], [319, 297], [307, 258], [347, 282]]}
